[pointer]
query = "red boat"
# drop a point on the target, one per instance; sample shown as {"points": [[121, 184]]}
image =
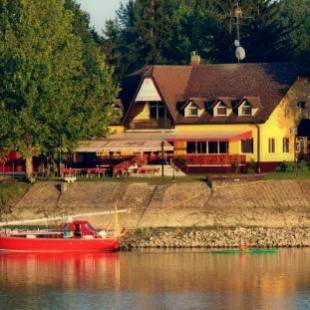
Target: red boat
{"points": [[73, 237]]}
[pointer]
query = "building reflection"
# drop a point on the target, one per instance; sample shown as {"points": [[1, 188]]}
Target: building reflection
{"points": [[235, 279]]}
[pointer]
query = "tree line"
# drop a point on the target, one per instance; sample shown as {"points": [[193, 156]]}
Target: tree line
{"points": [[55, 86], [167, 31]]}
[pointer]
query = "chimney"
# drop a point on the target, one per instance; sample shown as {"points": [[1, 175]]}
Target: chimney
{"points": [[195, 59]]}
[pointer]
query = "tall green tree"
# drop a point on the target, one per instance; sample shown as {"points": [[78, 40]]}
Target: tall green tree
{"points": [[52, 93]]}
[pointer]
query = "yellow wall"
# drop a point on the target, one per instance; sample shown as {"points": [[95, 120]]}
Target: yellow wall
{"points": [[116, 129], [282, 120], [144, 112]]}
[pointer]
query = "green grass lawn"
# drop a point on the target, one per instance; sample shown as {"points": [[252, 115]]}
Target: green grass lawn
{"points": [[301, 175], [150, 180]]}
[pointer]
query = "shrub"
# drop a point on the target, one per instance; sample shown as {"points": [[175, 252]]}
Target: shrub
{"points": [[234, 167], [304, 166], [250, 168], [282, 167]]}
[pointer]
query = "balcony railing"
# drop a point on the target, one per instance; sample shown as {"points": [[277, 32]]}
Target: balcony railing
{"points": [[212, 160], [151, 124]]}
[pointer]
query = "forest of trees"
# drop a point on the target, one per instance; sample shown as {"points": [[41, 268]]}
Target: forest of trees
{"points": [[167, 31]]}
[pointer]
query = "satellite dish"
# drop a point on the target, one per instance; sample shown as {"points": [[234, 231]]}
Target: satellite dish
{"points": [[240, 53], [237, 43]]}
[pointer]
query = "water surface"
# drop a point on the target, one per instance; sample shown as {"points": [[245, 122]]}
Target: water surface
{"points": [[156, 280]]}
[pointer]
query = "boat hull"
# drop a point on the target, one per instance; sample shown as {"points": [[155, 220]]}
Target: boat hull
{"points": [[46, 245]]}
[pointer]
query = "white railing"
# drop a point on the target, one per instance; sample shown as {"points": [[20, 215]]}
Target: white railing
{"points": [[62, 218]]}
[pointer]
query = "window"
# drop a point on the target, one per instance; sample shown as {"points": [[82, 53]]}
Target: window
{"points": [[196, 147], [301, 105], [272, 145], [202, 147], [158, 111], [193, 110], [223, 146], [213, 147], [286, 145], [246, 109], [247, 146], [191, 147], [221, 110]]}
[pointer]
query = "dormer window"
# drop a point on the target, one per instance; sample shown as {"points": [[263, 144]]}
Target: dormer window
{"points": [[246, 109], [221, 109], [192, 110]]}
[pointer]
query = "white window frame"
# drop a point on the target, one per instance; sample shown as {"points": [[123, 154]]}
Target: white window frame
{"points": [[286, 147], [207, 147], [272, 145], [192, 107], [221, 105], [157, 106], [246, 105]]}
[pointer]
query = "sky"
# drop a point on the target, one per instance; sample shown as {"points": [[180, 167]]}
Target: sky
{"points": [[100, 10]]}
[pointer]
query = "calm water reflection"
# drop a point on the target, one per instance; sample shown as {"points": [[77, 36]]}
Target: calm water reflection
{"points": [[156, 280]]}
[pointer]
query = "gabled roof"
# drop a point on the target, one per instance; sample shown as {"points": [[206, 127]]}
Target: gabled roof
{"points": [[227, 101], [267, 83], [253, 101], [199, 102]]}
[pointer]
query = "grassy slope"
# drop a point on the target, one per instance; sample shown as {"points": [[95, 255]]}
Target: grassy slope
{"points": [[11, 191], [301, 175]]}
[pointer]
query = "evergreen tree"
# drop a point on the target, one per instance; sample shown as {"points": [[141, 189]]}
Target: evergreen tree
{"points": [[167, 31], [293, 39]]}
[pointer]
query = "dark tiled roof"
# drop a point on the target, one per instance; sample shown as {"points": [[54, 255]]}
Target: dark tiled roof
{"points": [[263, 85]]}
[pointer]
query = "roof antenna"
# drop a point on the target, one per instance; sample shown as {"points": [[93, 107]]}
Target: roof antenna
{"points": [[240, 51]]}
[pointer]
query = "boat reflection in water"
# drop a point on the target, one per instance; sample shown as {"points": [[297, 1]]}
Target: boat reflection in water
{"points": [[156, 280]]}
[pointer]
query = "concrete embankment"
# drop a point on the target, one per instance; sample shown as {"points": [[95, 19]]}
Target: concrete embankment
{"points": [[280, 208]]}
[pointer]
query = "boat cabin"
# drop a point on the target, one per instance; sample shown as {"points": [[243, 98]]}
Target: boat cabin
{"points": [[79, 228]]}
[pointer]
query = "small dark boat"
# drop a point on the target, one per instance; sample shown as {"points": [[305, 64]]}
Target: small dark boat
{"points": [[247, 251]]}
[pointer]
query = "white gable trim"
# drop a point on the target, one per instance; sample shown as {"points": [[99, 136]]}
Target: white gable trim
{"points": [[217, 105], [148, 92], [187, 108]]}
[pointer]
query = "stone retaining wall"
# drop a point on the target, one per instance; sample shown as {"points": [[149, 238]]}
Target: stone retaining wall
{"points": [[218, 238]]}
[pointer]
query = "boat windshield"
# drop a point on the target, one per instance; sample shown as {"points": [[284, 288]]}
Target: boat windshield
{"points": [[91, 228]]}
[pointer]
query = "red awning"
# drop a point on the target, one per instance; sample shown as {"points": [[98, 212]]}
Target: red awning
{"points": [[213, 136]]}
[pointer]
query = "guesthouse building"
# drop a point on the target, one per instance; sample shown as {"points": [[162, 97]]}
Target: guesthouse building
{"points": [[210, 118]]}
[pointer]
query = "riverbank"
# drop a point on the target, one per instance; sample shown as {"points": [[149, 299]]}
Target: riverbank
{"points": [[217, 237], [194, 214], [273, 204]]}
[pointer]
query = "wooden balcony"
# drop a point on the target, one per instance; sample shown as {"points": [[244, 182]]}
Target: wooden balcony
{"points": [[213, 160], [210, 163]]}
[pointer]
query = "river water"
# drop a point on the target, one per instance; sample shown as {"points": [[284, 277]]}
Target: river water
{"points": [[193, 279]]}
